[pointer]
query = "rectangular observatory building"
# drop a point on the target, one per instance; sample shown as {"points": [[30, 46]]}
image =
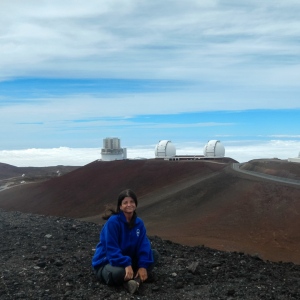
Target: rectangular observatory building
{"points": [[112, 150]]}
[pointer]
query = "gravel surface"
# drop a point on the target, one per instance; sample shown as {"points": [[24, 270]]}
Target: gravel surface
{"points": [[46, 257]]}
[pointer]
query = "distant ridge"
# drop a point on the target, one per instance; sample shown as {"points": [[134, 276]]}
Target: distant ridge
{"points": [[275, 167], [8, 171]]}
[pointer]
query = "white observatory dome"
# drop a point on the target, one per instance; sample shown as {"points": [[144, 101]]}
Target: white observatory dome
{"points": [[214, 148], [165, 149]]}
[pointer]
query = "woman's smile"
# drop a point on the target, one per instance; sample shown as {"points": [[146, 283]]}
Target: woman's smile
{"points": [[128, 205]]}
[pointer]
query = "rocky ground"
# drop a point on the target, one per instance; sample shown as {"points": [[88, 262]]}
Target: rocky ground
{"points": [[46, 257]]}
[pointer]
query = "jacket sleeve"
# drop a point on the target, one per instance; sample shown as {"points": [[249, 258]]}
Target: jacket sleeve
{"points": [[144, 252], [113, 251]]}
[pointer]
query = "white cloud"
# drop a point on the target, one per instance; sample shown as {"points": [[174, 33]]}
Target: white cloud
{"points": [[284, 136], [169, 125], [207, 40], [240, 150], [58, 112], [50, 157], [246, 150]]}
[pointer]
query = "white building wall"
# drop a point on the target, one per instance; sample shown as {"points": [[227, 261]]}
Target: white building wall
{"points": [[111, 143], [295, 159], [116, 143], [111, 157], [124, 153], [112, 149]]}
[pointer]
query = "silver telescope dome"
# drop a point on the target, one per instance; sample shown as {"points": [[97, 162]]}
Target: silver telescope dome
{"points": [[214, 148], [164, 149]]}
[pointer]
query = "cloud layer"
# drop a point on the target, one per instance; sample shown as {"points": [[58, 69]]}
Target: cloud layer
{"points": [[242, 151], [254, 43]]}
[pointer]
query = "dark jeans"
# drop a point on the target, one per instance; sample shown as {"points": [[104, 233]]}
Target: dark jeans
{"points": [[115, 275]]}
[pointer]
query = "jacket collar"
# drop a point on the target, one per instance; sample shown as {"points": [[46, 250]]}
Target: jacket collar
{"points": [[123, 218]]}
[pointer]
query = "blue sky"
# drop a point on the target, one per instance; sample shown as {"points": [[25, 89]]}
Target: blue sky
{"points": [[73, 73]]}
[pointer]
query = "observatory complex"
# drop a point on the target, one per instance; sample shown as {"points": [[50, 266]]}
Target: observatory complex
{"points": [[295, 159], [165, 149], [112, 150], [214, 149]]}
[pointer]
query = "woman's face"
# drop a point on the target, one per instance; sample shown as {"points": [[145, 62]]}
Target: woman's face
{"points": [[128, 205]]}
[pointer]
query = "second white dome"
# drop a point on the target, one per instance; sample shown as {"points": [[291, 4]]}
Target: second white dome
{"points": [[214, 148], [164, 149]]}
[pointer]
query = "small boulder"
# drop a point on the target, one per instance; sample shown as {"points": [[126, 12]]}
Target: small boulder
{"points": [[256, 256], [41, 264], [179, 285], [155, 289], [193, 266], [58, 263], [231, 292]]}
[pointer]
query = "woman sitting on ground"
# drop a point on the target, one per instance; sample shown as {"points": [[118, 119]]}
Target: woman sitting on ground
{"points": [[124, 247]]}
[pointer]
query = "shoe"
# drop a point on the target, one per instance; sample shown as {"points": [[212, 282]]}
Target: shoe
{"points": [[131, 286]]}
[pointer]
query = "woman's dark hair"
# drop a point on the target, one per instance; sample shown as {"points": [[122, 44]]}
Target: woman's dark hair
{"points": [[110, 210]]}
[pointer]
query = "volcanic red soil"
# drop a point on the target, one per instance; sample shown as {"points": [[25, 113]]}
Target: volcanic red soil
{"points": [[85, 191], [188, 202], [275, 167]]}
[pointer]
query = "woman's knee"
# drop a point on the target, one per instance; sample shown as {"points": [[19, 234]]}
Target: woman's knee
{"points": [[119, 275], [155, 256], [155, 260], [113, 275]]}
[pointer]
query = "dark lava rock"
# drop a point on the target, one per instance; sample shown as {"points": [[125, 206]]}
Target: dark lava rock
{"points": [[41, 264], [60, 267], [179, 285], [256, 256], [58, 263], [193, 266], [230, 292]]}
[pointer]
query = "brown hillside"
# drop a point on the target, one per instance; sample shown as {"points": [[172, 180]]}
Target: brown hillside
{"points": [[275, 167], [85, 191], [8, 171], [189, 202], [232, 213]]}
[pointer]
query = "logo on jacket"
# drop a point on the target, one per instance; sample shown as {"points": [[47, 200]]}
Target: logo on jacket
{"points": [[137, 232]]}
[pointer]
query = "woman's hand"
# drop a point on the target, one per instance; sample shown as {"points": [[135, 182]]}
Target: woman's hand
{"points": [[142, 272], [129, 273]]}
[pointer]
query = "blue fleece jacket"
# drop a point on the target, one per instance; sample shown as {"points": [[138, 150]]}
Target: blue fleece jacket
{"points": [[118, 244]]}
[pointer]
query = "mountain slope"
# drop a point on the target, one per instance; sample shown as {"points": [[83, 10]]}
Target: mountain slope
{"points": [[188, 202], [87, 190]]}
